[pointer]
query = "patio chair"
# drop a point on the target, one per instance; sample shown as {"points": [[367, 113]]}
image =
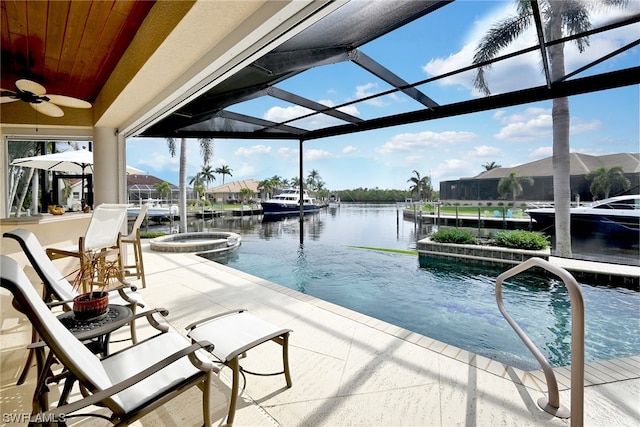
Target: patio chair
{"points": [[129, 383], [57, 287], [133, 238], [101, 235]]}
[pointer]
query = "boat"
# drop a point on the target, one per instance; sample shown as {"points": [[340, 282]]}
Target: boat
{"points": [[334, 201], [155, 210], [617, 217], [288, 203]]}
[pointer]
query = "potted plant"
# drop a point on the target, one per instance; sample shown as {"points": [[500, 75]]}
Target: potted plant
{"points": [[92, 277]]}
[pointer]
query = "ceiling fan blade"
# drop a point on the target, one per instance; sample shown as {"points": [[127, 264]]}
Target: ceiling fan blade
{"points": [[5, 99], [7, 96], [68, 101], [48, 109], [30, 86]]}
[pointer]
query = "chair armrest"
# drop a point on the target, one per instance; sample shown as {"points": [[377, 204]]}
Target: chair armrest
{"points": [[54, 304], [105, 329], [55, 253], [215, 316], [62, 411]]}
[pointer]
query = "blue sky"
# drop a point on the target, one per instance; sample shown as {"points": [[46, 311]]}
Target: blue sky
{"points": [[601, 123]]}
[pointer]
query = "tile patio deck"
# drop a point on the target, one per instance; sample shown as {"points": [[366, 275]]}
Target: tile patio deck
{"points": [[348, 369]]}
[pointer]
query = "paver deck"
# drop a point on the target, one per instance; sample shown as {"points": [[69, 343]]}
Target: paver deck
{"points": [[348, 369]]}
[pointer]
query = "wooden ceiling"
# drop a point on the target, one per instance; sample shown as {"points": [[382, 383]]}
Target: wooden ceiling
{"points": [[70, 47]]}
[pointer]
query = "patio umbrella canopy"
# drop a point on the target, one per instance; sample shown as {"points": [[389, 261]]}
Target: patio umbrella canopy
{"points": [[78, 162]]}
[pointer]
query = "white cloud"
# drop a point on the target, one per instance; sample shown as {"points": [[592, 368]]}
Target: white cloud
{"points": [[253, 150], [288, 153], [315, 154], [486, 151], [368, 89], [579, 126], [541, 153], [525, 70], [452, 169], [527, 129], [423, 140], [281, 114], [157, 162], [536, 123], [350, 149]]}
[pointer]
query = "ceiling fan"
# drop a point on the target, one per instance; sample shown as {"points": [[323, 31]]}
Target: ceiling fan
{"points": [[36, 95]]}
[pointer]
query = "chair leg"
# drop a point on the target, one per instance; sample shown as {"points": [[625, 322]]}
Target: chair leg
{"points": [[139, 262], [206, 399], [27, 364], [235, 367], [285, 359]]}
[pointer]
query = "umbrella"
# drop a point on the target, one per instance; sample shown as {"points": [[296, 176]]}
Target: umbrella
{"points": [[78, 161]]}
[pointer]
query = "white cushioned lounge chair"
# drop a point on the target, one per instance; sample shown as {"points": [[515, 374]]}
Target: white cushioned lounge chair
{"points": [[130, 383], [57, 287]]}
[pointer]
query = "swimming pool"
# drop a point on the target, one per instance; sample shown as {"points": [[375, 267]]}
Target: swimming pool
{"points": [[448, 301]]}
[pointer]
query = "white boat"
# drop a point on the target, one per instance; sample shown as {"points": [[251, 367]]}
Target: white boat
{"points": [[617, 217], [334, 201], [155, 210], [288, 203]]}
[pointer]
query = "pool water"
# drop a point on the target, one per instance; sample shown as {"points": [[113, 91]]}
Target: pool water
{"points": [[445, 300]]}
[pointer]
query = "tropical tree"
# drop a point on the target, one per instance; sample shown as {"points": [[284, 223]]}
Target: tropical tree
{"points": [[208, 174], [224, 170], [512, 184], [491, 165], [245, 193], [314, 181], [163, 188], [421, 186], [265, 188], [604, 180], [206, 150], [559, 18]]}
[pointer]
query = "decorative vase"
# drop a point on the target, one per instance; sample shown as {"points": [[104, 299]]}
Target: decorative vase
{"points": [[90, 305]]}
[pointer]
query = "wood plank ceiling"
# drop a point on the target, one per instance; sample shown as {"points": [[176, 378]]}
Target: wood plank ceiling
{"points": [[70, 47]]}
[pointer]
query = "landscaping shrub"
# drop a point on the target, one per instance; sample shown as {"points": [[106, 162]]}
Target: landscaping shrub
{"points": [[520, 239], [453, 235], [151, 234]]}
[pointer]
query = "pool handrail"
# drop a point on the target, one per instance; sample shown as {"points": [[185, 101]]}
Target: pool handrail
{"points": [[552, 403]]}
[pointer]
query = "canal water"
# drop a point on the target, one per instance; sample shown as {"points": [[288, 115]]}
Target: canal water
{"points": [[360, 256]]}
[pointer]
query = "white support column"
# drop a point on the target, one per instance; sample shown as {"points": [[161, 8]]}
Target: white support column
{"points": [[106, 166]]}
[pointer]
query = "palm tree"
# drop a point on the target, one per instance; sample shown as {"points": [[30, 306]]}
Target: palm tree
{"points": [[224, 170], [421, 186], [603, 180], [265, 188], [570, 17], [245, 193], [512, 184], [491, 165], [208, 174], [163, 188], [313, 179], [206, 150]]}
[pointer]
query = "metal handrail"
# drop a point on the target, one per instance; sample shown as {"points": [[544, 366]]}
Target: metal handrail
{"points": [[552, 403]]}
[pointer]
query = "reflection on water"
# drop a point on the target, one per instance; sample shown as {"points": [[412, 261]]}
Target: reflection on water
{"points": [[445, 300]]}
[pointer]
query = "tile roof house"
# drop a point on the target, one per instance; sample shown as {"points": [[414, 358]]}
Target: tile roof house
{"points": [[231, 191]]}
